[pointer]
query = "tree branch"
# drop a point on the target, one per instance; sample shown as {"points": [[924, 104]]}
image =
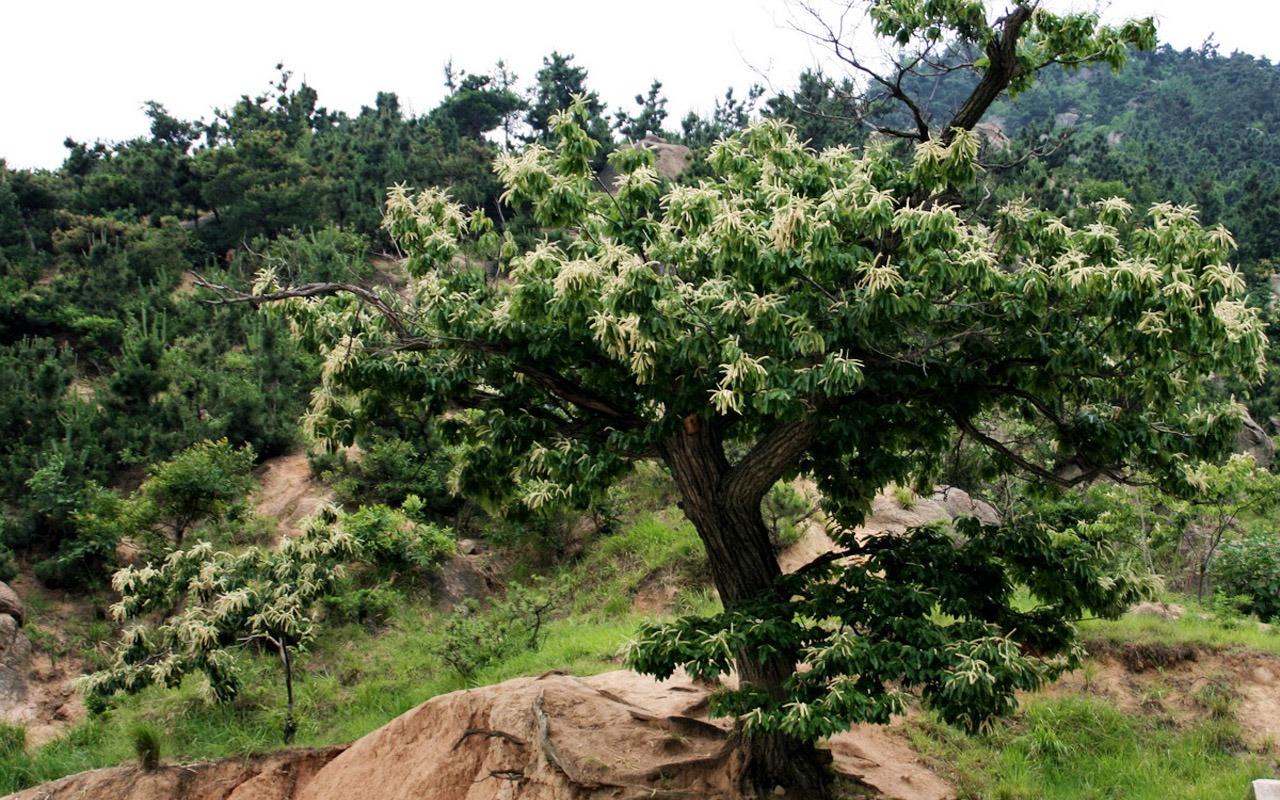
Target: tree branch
{"points": [[966, 425], [770, 458], [407, 342], [1003, 68]]}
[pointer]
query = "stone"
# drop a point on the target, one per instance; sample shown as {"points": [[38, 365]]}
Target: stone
{"points": [[672, 159], [1252, 440], [1264, 789], [462, 577], [15, 657], [11, 604], [1162, 610], [958, 502]]}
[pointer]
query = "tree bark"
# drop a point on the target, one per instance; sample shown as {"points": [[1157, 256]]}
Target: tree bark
{"points": [[723, 503]]}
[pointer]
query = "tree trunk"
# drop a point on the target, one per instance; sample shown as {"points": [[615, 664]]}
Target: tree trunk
{"points": [[723, 503]]}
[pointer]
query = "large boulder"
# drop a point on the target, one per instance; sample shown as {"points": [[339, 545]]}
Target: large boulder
{"points": [[957, 502], [11, 604], [556, 737], [895, 511], [1253, 440], [672, 160], [15, 655]]}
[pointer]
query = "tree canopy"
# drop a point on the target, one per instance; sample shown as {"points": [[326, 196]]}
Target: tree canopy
{"points": [[833, 314]]}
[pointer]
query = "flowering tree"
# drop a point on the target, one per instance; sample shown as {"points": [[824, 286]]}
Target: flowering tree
{"points": [[211, 604], [824, 313]]}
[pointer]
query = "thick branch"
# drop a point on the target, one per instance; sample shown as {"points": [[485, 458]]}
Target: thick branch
{"points": [[228, 295], [1003, 69], [406, 341], [775, 453], [965, 424]]}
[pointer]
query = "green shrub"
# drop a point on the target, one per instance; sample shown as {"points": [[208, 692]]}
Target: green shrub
{"points": [[393, 542], [86, 559], [474, 639], [784, 508], [370, 607], [392, 470], [1250, 569], [8, 564]]}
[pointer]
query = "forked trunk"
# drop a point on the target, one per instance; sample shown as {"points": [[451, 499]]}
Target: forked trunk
{"points": [[724, 507]]}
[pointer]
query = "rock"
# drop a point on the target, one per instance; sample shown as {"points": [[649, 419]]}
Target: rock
{"points": [[11, 604], [559, 736], [992, 132], [1252, 440], [468, 547], [890, 515], [1264, 789], [15, 657], [889, 512], [461, 577], [957, 502], [555, 737], [1162, 610], [277, 776], [673, 159]]}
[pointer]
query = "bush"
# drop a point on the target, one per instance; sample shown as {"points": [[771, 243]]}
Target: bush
{"points": [[473, 639], [393, 542], [85, 560], [1250, 569], [784, 509], [369, 607], [8, 564], [392, 470]]}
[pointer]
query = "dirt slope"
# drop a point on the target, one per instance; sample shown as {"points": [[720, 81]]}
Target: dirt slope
{"points": [[287, 492]]}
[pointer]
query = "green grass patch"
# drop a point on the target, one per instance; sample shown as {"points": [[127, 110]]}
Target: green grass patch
{"points": [[1083, 748], [1198, 627]]}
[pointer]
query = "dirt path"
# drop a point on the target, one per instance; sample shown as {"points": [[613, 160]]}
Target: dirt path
{"points": [[288, 494]]}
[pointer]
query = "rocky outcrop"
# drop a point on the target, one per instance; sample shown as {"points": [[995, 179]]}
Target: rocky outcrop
{"points": [[957, 502], [672, 160], [462, 576], [556, 737], [11, 604], [898, 511], [277, 776], [15, 657], [1252, 440]]}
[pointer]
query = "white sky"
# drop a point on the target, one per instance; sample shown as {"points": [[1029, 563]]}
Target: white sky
{"points": [[83, 68]]}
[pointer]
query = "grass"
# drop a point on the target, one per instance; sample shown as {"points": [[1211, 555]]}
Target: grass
{"points": [[1084, 748], [1198, 627]]}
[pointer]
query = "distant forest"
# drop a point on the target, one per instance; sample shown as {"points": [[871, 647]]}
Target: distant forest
{"points": [[112, 362]]}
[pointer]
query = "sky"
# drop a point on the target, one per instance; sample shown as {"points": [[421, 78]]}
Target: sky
{"points": [[83, 69]]}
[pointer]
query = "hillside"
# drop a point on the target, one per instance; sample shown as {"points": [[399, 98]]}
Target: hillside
{"points": [[341, 431], [554, 735]]}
